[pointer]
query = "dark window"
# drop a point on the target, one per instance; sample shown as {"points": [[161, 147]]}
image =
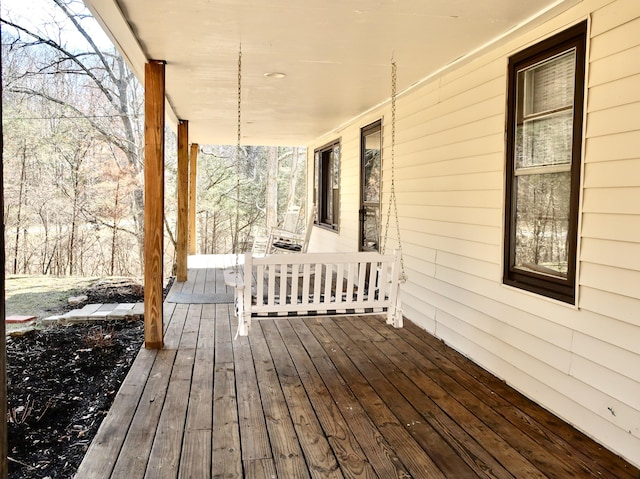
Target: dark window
{"points": [[326, 193], [544, 138], [370, 178]]}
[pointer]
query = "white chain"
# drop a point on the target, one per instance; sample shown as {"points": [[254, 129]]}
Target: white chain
{"points": [[392, 196]]}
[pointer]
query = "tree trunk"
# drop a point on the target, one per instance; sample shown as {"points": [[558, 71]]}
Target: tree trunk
{"points": [[72, 233], [23, 177], [4, 468], [293, 177], [272, 188], [114, 234]]}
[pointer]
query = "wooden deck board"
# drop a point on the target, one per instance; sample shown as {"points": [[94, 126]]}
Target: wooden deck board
{"points": [[351, 458], [133, 459], [321, 461], [371, 388], [252, 420], [285, 447], [438, 408], [375, 446], [327, 397], [537, 449], [404, 401], [530, 414], [227, 457], [107, 444]]}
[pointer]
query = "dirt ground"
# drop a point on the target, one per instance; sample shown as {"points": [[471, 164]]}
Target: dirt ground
{"points": [[62, 381]]}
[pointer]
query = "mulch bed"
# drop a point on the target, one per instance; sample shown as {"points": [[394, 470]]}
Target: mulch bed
{"points": [[61, 382]]}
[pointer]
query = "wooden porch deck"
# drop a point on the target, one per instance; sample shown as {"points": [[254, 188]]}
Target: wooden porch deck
{"points": [[326, 397]]}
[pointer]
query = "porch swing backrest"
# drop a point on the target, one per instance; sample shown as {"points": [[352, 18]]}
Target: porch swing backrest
{"points": [[318, 284]]}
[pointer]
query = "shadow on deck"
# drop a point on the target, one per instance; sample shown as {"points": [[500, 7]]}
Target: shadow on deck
{"points": [[326, 397]]}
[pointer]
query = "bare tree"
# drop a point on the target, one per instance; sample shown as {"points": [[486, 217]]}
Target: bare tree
{"points": [[111, 100], [272, 188]]}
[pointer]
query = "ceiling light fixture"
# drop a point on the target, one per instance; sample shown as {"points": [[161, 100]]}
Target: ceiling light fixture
{"points": [[275, 75]]}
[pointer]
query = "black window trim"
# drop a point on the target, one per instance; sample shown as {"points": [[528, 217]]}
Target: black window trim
{"points": [[364, 131], [317, 196], [557, 288]]}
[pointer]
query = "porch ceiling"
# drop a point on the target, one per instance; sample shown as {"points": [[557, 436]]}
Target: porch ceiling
{"points": [[335, 53]]}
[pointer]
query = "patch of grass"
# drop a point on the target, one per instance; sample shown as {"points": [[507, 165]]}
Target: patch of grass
{"points": [[41, 296]]}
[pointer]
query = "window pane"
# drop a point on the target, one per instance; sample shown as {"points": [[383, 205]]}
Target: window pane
{"points": [[549, 86], [335, 171], [542, 223], [316, 180], [371, 227], [327, 180], [371, 184], [545, 141]]}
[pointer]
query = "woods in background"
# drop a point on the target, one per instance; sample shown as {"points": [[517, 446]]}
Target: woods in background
{"points": [[73, 157]]}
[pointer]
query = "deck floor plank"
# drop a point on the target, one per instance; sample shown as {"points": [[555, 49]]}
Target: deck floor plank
{"points": [[578, 445], [285, 447], [107, 443], [537, 452], [533, 451], [196, 456], [195, 460], [361, 376], [164, 459], [134, 456], [189, 337], [200, 281], [438, 407], [351, 458], [320, 458], [253, 427], [324, 397], [376, 447], [404, 400], [226, 448]]}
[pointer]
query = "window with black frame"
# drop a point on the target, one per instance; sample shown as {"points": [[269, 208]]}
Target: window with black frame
{"points": [[370, 179], [544, 141], [327, 185]]}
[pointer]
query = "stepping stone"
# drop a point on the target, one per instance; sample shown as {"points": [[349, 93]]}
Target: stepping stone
{"points": [[97, 312], [121, 311], [86, 311], [19, 319], [137, 312], [52, 320]]}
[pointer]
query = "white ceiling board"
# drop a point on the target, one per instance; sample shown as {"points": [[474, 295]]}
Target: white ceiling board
{"points": [[336, 55]]}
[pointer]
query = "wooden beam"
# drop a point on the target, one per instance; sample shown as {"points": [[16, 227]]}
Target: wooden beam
{"points": [[4, 467], [183, 200], [154, 77], [193, 188]]}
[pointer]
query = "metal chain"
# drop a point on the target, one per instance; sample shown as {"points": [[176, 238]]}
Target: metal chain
{"points": [[238, 154], [392, 196]]}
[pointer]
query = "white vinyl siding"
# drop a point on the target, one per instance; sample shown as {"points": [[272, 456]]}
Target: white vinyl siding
{"points": [[582, 362]]}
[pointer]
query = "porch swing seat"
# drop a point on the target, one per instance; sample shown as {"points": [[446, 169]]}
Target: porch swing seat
{"points": [[314, 284]]}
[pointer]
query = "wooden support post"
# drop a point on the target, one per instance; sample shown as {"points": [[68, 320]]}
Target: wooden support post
{"points": [[4, 465], [183, 200], [193, 188], [154, 74]]}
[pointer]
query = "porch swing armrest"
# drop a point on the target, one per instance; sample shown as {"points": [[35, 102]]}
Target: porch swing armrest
{"points": [[235, 279]]}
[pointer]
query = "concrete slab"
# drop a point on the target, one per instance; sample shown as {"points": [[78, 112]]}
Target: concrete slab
{"points": [[121, 311], [98, 312], [19, 318]]}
